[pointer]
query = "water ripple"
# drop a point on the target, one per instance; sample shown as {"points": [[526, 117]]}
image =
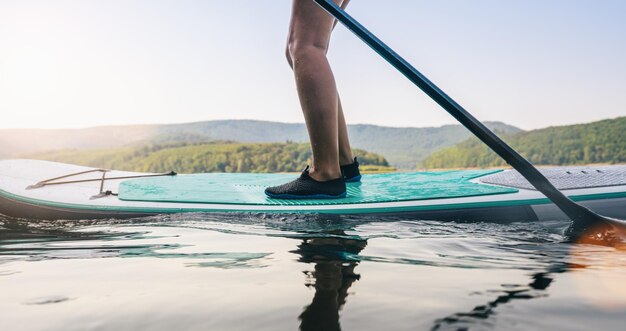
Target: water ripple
{"points": [[332, 258]]}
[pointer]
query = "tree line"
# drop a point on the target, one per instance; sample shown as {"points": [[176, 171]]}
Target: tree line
{"points": [[186, 157], [598, 142]]}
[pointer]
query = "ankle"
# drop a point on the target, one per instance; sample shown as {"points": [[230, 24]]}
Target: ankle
{"points": [[346, 159], [321, 174]]}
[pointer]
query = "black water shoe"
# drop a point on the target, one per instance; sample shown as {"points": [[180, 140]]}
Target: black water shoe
{"points": [[305, 187], [351, 172]]}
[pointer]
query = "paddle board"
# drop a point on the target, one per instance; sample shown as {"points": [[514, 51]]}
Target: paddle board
{"points": [[49, 190]]}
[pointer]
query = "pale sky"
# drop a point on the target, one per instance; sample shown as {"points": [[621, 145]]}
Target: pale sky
{"points": [[530, 63]]}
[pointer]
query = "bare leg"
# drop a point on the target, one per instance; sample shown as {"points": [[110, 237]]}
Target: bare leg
{"points": [[345, 152], [309, 36]]}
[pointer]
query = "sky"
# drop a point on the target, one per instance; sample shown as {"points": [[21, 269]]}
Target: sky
{"points": [[531, 63]]}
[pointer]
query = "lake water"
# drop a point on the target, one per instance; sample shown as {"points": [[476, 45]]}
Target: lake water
{"points": [[262, 272]]}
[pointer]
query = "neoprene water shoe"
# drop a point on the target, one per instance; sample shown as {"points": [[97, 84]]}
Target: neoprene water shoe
{"points": [[351, 172], [305, 187]]}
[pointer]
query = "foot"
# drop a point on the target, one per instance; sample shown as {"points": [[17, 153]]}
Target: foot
{"points": [[351, 172], [306, 187]]}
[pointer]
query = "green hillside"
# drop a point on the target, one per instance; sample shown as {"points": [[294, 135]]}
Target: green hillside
{"points": [[597, 142], [402, 147], [200, 157], [406, 147]]}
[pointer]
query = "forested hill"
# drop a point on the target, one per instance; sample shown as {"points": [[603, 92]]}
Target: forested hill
{"points": [[200, 157], [402, 147], [597, 142]]}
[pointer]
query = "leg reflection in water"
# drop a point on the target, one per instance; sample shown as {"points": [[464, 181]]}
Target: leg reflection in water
{"points": [[335, 256]]}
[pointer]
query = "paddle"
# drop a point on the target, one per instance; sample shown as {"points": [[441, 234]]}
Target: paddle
{"points": [[585, 222]]}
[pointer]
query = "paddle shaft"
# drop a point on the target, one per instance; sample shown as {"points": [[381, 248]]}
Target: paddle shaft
{"points": [[576, 212]]}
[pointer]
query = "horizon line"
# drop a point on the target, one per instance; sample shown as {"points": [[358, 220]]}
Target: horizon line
{"points": [[298, 123]]}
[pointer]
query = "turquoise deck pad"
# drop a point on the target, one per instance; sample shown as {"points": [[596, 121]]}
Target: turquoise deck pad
{"points": [[248, 189]]}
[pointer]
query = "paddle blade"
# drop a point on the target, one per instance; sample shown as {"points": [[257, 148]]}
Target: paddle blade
{"points": [[602, 230]]}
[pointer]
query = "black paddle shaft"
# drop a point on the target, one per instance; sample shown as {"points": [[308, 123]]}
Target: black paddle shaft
{"points": [[579, 214]]}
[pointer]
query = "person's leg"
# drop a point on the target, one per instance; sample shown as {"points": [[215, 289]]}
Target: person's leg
{"points": [[309, 36], [345, 151]]}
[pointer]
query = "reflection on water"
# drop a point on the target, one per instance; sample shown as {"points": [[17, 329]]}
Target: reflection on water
{"points": [[23, 240], [335, 259], [307, 272]]}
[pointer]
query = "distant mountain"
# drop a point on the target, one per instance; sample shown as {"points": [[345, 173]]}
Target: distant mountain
{"points": [[202, 157], [597, 142], [406, 147], [402, 147]]}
